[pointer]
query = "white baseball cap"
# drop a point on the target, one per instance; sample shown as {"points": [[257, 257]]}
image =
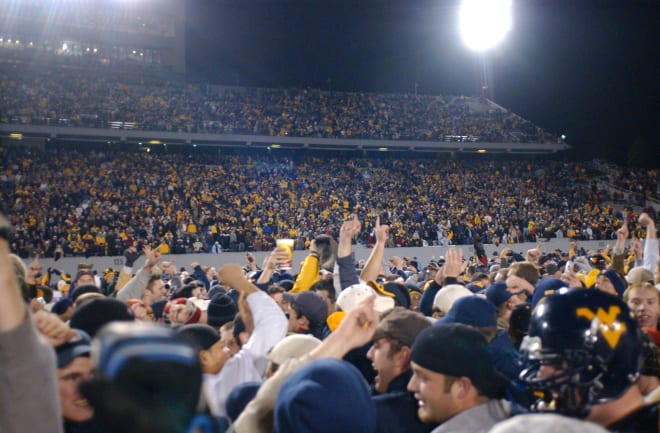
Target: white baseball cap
{"points": [[351, 297]]}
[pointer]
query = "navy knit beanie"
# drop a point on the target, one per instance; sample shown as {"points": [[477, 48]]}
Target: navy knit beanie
{"points": [[325, 396]]}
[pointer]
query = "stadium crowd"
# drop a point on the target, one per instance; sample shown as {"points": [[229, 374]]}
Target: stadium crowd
{"points": [[637, 184], [540, 342], [83, 98], [552, 340], [97, 202]]}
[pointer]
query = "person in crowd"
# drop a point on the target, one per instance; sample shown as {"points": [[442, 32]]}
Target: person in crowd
{"points": [[145, 285], [308, 312], [390, 356], [212, 354], [480, 314], [454, 380], [446, 297], [505, 301], [599, 384], [249, 363], [277, 293], [147, 379], [522, 278], [221, 310], [74, 366], [651, 253], [290, 347], [643, 299], [29, 400], [229, 339]]}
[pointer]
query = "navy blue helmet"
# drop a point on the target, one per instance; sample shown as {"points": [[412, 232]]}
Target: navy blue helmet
{"points": [[583, 348]]}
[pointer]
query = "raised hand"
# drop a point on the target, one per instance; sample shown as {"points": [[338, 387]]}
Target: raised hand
{"points": [[350, 228], [622, 233], [382, 232], [153, 256], [534, 254], [454, 263], [637, 248], [52, 328], [232, 276]]}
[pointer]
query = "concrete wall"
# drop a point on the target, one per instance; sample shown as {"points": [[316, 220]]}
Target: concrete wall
{"points": [[424, 254]]}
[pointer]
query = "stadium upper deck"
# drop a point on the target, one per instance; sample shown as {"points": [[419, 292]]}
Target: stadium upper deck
{"points": [[93, 72], [102, 32], [77, 104]]}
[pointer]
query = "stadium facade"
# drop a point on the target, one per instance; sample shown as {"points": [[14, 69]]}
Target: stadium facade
{"points": [[102, 32], [115, 37]]}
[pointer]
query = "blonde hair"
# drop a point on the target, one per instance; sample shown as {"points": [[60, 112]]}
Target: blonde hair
{"points": [[641, 285]]}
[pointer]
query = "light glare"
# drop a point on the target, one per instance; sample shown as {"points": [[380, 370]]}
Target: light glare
{"points": [[484, 23]]}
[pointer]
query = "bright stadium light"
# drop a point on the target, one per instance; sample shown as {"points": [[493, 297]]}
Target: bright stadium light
{"points": [[484, 23]]}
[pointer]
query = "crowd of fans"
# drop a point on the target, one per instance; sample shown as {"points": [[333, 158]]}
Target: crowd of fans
{"points": [[70, 97], [334, 346], [631, 184], [387, 345], [99, 202]]}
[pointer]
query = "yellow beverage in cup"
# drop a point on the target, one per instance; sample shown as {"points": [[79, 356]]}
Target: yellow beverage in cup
{"points": [[288, 244]]}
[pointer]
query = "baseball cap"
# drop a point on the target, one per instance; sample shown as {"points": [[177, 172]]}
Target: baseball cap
{"points": [[473, 311], [394, 290], [351, 297], [78, 345], [446, 296], [292, 346], [639, 274], [497, 293], [310, 305]]}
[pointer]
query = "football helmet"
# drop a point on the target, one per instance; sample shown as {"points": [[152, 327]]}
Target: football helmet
{"points": [[583, 348]]}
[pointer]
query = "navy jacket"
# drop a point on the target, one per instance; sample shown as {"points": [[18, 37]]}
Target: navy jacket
{"points": [[396, 410]]}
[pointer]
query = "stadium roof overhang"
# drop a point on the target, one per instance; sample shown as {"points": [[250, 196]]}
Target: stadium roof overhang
{"points": [[92, 135]]}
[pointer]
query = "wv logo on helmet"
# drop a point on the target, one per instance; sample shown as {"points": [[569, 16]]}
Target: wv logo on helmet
{"points": [[610, 327]]}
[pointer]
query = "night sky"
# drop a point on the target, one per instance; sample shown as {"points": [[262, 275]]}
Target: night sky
{"points": [[589, 69]]}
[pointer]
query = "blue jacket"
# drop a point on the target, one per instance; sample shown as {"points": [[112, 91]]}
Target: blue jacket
{"points": [[504, 355], [396, 410]]}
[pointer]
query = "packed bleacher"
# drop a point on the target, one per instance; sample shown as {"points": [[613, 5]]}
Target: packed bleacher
{"points": [[88, 98], [97, 202], [631, 183]]}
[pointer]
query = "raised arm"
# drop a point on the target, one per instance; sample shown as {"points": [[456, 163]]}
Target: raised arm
{"points": [[12, 308], [619, 251], [651, 253], [309, 271], [30, 399], [357, 329], [271, 263], [137, 285], [270, 324], [345, 262], [373, 266]]}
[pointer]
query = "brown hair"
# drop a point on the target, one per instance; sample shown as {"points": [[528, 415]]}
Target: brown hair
{"points": [[525, 270]]}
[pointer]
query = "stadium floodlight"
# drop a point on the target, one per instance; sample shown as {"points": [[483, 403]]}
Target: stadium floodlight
{"points": [[484, 23]]}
